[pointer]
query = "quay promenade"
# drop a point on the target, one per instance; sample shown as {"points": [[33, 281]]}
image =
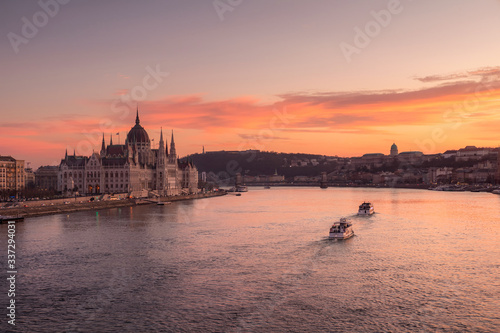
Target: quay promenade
{"points": [[69, 205]]}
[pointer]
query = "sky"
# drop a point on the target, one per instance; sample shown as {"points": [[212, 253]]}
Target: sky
{"points": [[325, 77]]}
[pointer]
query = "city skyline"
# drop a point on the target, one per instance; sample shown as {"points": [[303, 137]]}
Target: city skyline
{"points": [[327, 78]]}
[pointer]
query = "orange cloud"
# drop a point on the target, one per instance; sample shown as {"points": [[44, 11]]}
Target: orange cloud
{"points": [[351, 117]]}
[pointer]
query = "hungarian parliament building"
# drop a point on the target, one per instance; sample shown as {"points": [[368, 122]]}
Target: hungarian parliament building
{"points": [[134, 168]]}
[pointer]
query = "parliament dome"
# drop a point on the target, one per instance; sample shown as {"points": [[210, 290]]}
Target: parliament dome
{"points": [[137, 133]]}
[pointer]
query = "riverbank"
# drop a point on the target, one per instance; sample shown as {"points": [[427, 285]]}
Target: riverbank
{"points": [[193, 196], [51, 208], [408, 186], [449, 187]]}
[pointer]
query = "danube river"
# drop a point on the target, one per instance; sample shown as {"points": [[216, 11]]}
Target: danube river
{"points": [[262, 262]]}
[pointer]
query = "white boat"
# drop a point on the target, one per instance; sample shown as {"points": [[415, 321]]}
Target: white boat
{"points": [[341, 230], [366, 208]]}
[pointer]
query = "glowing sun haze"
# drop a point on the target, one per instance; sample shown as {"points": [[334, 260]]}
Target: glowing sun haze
{"points": [[329, 77]]}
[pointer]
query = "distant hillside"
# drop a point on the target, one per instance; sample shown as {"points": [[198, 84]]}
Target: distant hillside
{"points": [[253, 163]]}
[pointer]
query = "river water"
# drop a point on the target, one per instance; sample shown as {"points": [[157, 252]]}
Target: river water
{"points": [[262, 262]]}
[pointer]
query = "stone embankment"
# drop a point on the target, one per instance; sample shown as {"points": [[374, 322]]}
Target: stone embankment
{"points": [[71, 205]]}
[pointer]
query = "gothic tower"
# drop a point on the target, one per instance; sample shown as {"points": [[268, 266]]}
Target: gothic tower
{"points": [[161, 167], [172, 158], [103, 147]]}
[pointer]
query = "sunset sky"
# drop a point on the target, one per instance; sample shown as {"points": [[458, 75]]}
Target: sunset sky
{"points": [[328, 77]]}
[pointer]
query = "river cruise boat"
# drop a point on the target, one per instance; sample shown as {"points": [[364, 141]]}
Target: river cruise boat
{"points": [[341, 230], [366, 208]]}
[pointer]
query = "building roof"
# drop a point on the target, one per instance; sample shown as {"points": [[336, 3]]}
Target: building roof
{"points": [[137, 133], [411, 153], [474, 148], [116, 150], [48, 167], [7, 158], [373, 155], [72, 160]]}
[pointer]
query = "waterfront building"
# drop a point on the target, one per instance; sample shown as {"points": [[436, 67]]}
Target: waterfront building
{"points": [[133, 168], [12, 174], [46, 177], [394, 150], [439, 175], [246, 179], [29, 178]]}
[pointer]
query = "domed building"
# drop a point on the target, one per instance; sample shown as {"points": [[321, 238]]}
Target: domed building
{"points": [[394, 150], [138, 134], [133, 168]]}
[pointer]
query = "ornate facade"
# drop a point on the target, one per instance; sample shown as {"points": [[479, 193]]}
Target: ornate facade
{"points": [[133, 168]]}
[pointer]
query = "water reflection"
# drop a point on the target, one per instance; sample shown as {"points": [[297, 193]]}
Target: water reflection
{"points": [[426, 261]]}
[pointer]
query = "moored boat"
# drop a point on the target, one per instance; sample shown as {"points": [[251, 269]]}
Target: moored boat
{"points": [[241, 188], [6, 219], [341, 230], [366, 208], [238, 188]]}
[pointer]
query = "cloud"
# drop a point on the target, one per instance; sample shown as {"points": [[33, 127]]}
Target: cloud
{"points": [[263, 136], [485, 73], [474, 99], [329, 111], [121, 92]]}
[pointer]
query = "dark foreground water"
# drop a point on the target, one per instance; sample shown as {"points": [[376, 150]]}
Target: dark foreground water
{"points": [[425, 262]]}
